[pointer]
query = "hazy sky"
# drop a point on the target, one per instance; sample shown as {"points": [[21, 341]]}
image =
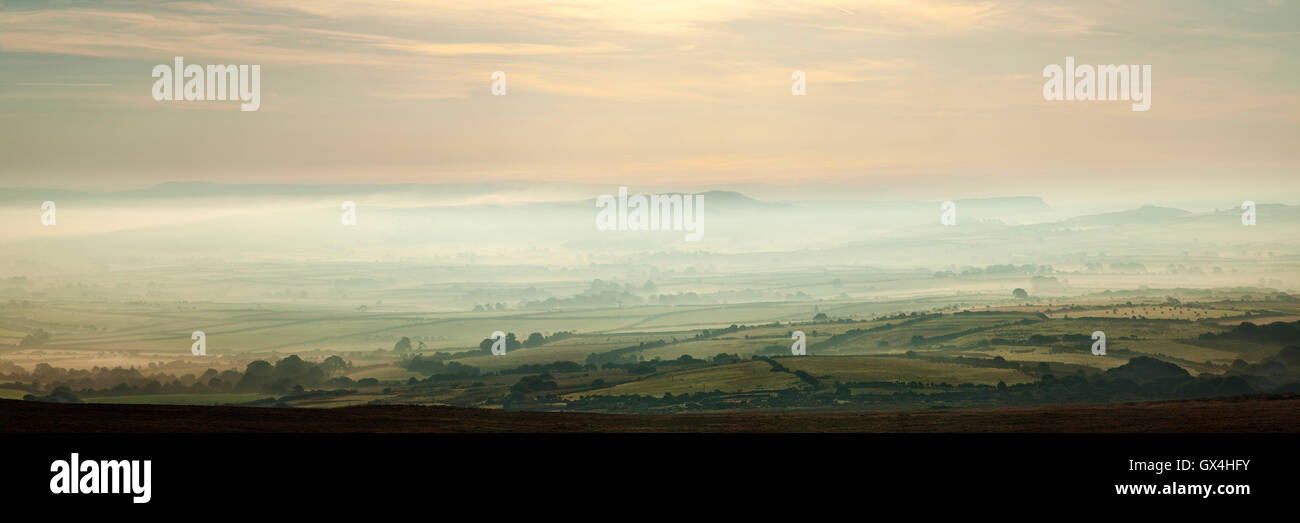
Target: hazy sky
{"points": [[924, 98]]}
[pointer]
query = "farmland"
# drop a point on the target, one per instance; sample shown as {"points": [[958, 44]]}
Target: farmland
{"points": [[283, 309], [925, 347]]}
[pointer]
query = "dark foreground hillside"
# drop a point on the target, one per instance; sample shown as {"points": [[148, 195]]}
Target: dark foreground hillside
{"points": [[1242, 414]]}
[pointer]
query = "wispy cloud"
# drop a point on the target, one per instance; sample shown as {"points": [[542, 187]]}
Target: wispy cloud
{"points": [[667, 87]]}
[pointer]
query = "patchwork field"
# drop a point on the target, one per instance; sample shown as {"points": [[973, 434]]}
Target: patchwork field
{"points": [[873, 339], [858, 369]]}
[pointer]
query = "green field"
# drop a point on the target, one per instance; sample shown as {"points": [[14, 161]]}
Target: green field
{"points": [[858, 369], [913, 334], [12, 394]]}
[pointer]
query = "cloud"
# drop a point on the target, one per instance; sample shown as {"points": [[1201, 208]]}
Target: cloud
{"points": [[671, 86]]}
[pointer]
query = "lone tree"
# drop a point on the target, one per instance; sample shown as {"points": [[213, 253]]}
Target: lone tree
{"points": [[1020, 293], [402, 345]]}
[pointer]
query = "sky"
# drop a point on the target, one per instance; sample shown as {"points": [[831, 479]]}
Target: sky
{"points": [[910, 99]]}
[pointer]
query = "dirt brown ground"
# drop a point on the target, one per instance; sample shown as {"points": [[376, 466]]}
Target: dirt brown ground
{"points": [[1242, 414]]}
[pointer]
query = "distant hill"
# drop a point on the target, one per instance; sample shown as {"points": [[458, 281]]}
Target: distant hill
{"points": [[1144, 214], [732, 199], [1003, 205]]}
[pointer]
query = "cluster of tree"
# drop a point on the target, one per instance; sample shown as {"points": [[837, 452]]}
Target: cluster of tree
{"points": [[403, 345], [1046, 284], [512, 343], [532, 384], [285, 375], [914, 315], [599, 293], [680, 298], [37, 338], [1126, 267], [537, 339], [60, 394], [436, 366], [1276, 332], [559, 366], [1281, 370], [599, 300], [710, 333], [641, 368], [725, 358], [803, 376], [288, 374], [636, 369], [46, 378]]}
